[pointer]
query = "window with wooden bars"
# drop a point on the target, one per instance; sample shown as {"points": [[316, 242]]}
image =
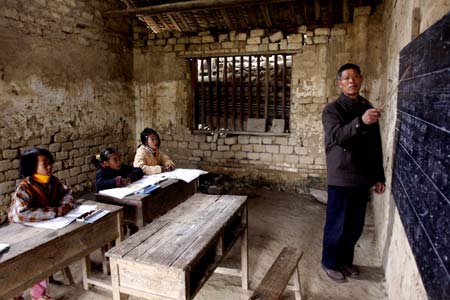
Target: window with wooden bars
{"points": [[242, 93]]}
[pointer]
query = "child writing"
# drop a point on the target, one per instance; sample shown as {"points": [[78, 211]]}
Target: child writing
{"points": [[111, 173], [40, 196], [148, 156]]}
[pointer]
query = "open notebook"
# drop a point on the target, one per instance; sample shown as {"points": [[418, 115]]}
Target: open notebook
{"points": [[186, 175], [61, 222]]}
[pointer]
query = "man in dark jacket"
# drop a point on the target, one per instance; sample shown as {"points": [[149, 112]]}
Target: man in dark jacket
{"points": [[354, 165]]}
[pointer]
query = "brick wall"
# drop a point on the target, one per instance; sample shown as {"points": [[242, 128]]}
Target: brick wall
{"points": [[64, 85], [164, 97]]}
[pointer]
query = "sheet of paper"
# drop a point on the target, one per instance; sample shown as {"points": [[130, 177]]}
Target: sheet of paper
{"points": [[186, 175], [134, 187], [61, 222], [55, 223]]}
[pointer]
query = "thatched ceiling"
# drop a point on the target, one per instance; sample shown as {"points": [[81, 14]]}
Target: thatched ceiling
{"points": [[240, 15]]}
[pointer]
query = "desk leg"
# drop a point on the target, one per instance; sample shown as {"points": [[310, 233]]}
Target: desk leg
{"points": [[244, 260], [114, 278], [104, 259], [86, 269]]}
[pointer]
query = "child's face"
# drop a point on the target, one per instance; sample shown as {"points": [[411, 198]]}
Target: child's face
{"points": [[152, 141], [114, 161], [44, 167]]}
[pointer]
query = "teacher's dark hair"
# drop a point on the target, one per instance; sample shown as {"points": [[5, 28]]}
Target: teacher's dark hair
{"points": [[347, 67]]}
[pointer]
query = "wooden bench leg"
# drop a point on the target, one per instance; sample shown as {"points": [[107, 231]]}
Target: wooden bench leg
{"points": [[105, 262], [297, 285], [67, 275], [244, 260], [86, 269], [115, 280]]}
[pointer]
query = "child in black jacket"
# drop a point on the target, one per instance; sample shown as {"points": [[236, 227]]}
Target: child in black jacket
{"points": [[111, 173]]}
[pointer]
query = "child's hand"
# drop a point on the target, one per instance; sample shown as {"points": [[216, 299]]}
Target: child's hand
{"points": [[169, 168], [62, 210], [125, 181]]}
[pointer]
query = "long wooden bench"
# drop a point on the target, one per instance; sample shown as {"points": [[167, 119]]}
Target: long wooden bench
{"points": [[277, 278]]}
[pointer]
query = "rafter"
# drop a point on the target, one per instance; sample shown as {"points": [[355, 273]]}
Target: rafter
{"points": [[190, 5]]}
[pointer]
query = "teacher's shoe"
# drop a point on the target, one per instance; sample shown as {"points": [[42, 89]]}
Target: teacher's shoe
{"points": [[335, 275], [351, 271]]}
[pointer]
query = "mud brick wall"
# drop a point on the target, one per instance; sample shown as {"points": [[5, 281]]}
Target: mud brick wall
{"points": [[64, 85]]}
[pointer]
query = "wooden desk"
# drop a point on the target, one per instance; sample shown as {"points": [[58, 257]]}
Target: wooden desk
{"points": [[140, 209], [36, 253], [172, 257]]}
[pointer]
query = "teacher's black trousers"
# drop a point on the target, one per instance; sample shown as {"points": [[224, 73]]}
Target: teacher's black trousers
{"points": [[346, 211]]}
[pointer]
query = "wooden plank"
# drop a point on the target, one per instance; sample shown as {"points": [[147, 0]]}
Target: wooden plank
{"points": [[277, 278], [194, 86], [189, 6], [283, 99], [233, 95], [149, 278], [225, 91], [195, 231], [227, 19], [266, 88], [275, 86], [304, 8], [163, 262], [153, 25], [133, 243], [218, 113], [317, 10], [345, 11], [241, 93], [210, 100], [330, 12], [266, 16], [258, 84], [55, 249], [244, 250], [249, 90], [183, 21], [174, 22], [166, 26], [203, 92], [198, 245]]}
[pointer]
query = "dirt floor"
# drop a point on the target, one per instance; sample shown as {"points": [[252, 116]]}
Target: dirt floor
{"points": [[276, 219]]}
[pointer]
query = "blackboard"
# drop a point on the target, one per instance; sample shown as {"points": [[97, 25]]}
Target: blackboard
{"points": [[421, 185]]}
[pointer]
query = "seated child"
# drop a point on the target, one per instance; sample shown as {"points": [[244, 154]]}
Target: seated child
{"points": [[111, 173], [148, 156], [40, 196]]}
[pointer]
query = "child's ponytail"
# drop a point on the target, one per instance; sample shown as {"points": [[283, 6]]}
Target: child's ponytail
{"points": [[103, 156]]}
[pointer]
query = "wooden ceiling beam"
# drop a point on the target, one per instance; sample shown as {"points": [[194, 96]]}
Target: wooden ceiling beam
{"points": [[183, 22], [304, 8], [174, 22], [330, 12], [227, 19], [163, 22], [266, 15], [317, 9], [189, 5], [345, 11], [153, 25]]}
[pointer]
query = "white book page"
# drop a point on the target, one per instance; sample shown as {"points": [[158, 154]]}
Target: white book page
{"points": [[61, 222]]}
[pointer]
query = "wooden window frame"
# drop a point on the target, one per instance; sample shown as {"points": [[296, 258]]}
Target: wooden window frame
{"points": [[224, 101]]}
